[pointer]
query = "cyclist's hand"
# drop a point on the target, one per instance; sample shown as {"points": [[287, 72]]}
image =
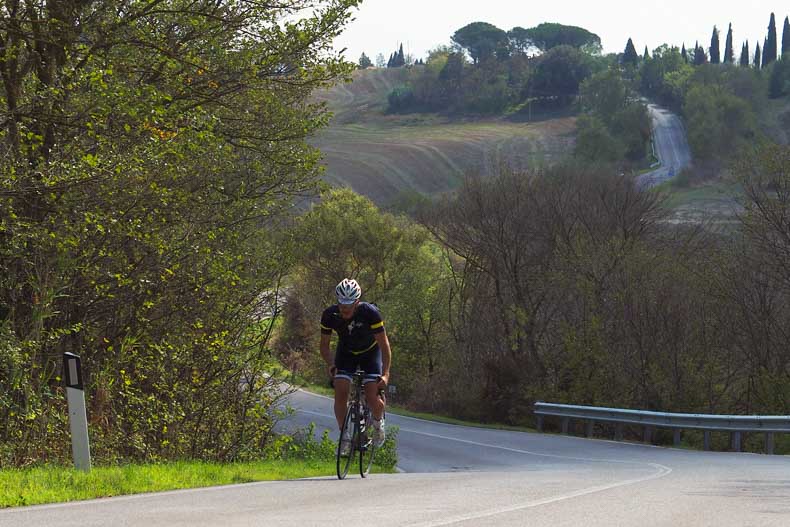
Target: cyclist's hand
{"points": [[332, 371], [383, 381]]}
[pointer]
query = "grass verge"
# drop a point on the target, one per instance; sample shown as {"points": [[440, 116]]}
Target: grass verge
{"points": [[55, 484]]}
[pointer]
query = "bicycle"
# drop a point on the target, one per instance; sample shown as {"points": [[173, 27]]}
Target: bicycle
{"points": [[360, 420]]}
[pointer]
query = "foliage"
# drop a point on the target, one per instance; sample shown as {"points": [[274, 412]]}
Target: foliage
{"points": [[551, 35], [482, 40], [560, 72], [780, 77], [150, 154], [364, 62]]}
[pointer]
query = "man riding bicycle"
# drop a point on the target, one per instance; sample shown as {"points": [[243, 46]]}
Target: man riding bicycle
{"points": [[363, 343]]}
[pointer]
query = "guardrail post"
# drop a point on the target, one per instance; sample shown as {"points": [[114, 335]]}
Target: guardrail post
{"points": [[676, 437], [769, 443], [78, 420], [539, 422], [565, 423], [589, 428], [618, 432], [706, 440], [647, 436], [736, 441]]}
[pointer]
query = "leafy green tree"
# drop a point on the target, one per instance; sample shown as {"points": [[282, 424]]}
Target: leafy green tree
{"points": [[719, 123], [729, 53], [715, 54], [519, 40], [481, 40], [604, 94], [786, 37], [364, 61], [744, 62], [629, 55], [150, 152], [559, 73], [595, 143], [550, 35], [770, 48]]}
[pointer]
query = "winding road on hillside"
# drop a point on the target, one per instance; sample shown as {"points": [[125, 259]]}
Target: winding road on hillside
{"points": [[671, 147], [462, 476]]}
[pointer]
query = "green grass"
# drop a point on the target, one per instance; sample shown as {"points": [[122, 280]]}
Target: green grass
{"points": [[53, 484]]}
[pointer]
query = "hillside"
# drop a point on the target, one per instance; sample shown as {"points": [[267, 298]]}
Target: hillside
{"points": [[381, 155]]}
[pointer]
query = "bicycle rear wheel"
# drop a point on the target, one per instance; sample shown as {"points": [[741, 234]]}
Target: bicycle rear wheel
{"points": [[367, 447], [344, 460]]}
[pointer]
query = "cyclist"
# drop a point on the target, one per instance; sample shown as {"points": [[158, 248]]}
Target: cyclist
{"points": [[362, 342]]}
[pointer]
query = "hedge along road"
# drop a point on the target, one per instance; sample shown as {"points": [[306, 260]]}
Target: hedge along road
{"points": [[455, 475], [671, 147]]}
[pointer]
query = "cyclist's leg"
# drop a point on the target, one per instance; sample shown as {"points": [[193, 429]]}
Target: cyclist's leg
{"points": [[371, 363], [346, 366]]}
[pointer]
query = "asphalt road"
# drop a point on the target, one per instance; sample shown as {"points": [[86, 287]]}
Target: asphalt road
{"points": [[473, 477], [672, 149]]}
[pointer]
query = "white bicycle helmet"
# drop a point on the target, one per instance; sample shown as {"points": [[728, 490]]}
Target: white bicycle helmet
{"points": [[348, 291]]}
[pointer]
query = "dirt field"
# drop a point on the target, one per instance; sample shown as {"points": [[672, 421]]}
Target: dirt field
{"points": [[381, 155]]}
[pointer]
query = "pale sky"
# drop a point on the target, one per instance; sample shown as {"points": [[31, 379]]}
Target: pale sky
{"points": [[380, 25]]}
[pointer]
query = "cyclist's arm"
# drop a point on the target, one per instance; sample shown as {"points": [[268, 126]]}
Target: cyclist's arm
{"points": [[386, 354], [324, 347]]}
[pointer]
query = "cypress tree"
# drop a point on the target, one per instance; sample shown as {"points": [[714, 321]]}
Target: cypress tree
{"points": [[769, 50], [646, 55], [757, 57], [684, 54], [699, 55], [729, 53], [786, 36], [629, 55], [764, 54], [745, 54], [401, 57], [715, 56]]}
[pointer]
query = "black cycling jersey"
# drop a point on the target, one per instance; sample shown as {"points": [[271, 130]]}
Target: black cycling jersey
{"points": [[357, 334]]}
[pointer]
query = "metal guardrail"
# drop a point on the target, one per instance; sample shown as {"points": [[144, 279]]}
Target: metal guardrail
{"points": [[736, 425]]}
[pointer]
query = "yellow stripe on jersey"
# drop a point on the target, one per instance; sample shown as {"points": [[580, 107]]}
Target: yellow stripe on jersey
{"points": [[377, 326], [364, 350], [324, 327]]}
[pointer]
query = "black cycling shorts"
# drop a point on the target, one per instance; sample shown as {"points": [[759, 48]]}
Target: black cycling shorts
{"points": [[369, 361]]}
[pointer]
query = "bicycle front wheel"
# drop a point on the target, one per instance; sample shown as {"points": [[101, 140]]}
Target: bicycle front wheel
{"points": [[344, 459]]}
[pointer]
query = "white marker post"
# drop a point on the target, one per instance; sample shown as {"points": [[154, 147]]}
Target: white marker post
{"points": [[78, 418]]}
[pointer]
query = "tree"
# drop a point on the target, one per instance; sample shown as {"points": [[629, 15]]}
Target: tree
{"points": [[604, 94], [559, 73], [786, 37], [744, 62], [364, 61], [715, 56], [549, 35], [481, 40], [400, 58], [684, 54], [700, 57], [729, 53], [646, 56], [520, 41], [151, 153], [780, 78], [380, 62], [770, 48], [390, 61], [629, 55], [758, 57]]}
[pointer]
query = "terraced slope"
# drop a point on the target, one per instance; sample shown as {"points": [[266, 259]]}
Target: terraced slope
{"points": [[381, 155]]}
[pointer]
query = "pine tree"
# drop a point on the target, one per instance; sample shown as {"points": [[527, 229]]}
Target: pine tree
{"points": [[769, 50], [764, 55], [629, 55], [684, 54], [786, 36], [389, 62], [757, 57], [745, 54], [729, 53], [715, 56], [646, 56], [364, 61]]}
